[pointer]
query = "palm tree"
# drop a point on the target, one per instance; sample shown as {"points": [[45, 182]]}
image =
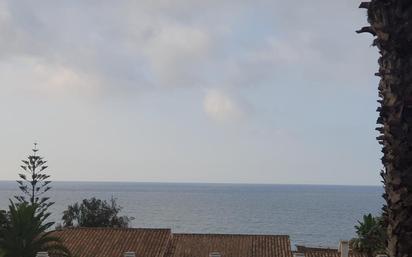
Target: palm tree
{"points": [[371, 236], [391, 23], [25, 233], [3, 218]]}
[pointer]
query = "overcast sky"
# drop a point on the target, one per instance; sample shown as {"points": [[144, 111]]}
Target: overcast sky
{"points": [[189, 91]]}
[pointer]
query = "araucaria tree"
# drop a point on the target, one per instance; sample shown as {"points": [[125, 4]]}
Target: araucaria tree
{"points": [[34, 182], [391, 24], [24, 229]]}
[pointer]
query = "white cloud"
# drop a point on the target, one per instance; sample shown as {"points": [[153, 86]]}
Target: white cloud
{"points": [[60, 79], [221, 107], [29, 74], [163, 44], [268, 52], [176, 54]]}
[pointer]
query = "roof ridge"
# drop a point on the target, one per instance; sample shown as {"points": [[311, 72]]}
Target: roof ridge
{"points": [[317, 247], [111, 228], [227, 234]]}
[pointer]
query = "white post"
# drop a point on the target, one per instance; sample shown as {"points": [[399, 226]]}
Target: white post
{"points": [[298, 254], [42, 254], [129, 254], [215, 254], [344, 248]]}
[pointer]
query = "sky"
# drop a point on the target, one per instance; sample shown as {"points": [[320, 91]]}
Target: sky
{"points": [[220, 91]]}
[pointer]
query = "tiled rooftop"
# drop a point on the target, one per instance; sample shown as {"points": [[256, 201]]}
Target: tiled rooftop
{"points": [[325, 252], [114, 242], [200, 245]]}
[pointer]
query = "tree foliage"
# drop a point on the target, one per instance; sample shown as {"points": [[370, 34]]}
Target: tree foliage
{"points": [[371, 236], [94, 213], [3, 219], [24, 227], [25, 233], [34, 182]]}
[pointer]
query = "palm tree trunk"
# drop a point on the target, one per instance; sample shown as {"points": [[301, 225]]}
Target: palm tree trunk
{"points": [[391, 23]]}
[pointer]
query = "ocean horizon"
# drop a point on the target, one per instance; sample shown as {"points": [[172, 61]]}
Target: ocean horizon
{"points": [[314, 215]]}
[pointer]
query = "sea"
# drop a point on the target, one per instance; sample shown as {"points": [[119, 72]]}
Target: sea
{"points": [[312, 215]]}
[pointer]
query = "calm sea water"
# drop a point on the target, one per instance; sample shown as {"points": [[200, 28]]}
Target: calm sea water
{"points": [[312, 215]]}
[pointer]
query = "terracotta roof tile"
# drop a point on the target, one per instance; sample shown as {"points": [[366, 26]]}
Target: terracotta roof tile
{"points": [[325, 252], [113, 242], [201, 245]]}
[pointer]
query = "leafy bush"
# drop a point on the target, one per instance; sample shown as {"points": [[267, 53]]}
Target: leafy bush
{"points": [[94, 213]]}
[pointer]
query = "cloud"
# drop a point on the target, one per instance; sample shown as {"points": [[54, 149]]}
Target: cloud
{"points": [[176, 54], [33, 76], [221, 107], [128, 45], [156, 64], [60, 79]]}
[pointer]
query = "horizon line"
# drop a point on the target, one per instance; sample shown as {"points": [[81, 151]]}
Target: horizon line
{"points": [[210, 183]]}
